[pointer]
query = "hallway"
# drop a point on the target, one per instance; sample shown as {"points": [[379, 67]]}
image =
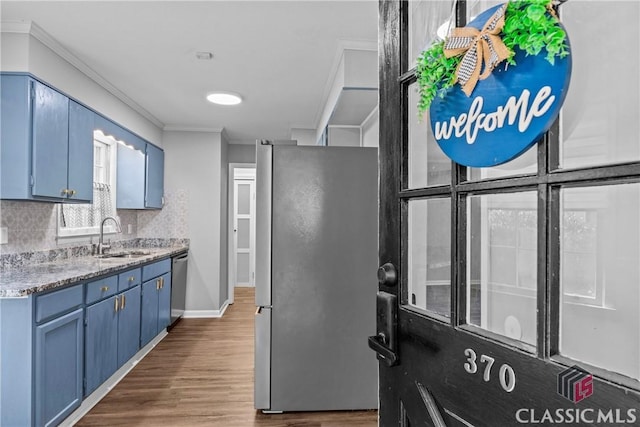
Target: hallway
{"points": [[201, 374]]}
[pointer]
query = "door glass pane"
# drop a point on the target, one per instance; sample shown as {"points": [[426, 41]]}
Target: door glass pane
{"points": [[428, 22], [476, 7], [526, 163], [501, 264], [427, 163], [599, 276], [244, 199], [243, 268], [600, 114], [244, 232], [429, 255]]}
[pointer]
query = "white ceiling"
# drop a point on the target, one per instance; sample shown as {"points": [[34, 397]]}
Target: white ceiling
{"points": [[279, 55]]}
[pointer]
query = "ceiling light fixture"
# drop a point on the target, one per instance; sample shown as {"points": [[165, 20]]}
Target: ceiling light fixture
{"points": [[224, 98]]}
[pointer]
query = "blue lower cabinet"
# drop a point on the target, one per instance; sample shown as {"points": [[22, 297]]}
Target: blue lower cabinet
{"points": [[58, 347], [112, 335], [58, 368], [149, 311], [156, 307], [101, 342], [164, 302], [128, 325]]}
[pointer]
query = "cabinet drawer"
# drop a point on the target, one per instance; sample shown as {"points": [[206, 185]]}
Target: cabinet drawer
{"points": [[129, 279], [102, 288], [156, 269], [58, 302]]}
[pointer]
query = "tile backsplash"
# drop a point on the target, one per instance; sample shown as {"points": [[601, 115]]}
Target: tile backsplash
{"points": [[170, 221], [31, 226]]}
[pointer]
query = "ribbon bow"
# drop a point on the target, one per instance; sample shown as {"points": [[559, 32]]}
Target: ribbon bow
{"points": [[477, 46]]}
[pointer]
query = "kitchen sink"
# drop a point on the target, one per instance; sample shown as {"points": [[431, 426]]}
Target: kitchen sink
{"points": [[125, 254]]}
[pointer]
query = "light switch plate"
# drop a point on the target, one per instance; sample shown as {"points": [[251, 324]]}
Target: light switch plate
{"points": [[4, 235]]}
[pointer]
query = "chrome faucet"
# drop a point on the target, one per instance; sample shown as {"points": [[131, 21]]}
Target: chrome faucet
{"points": [[101, 245]]}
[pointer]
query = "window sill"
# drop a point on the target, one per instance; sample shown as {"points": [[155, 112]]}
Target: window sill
{"points": [[83, 235]]}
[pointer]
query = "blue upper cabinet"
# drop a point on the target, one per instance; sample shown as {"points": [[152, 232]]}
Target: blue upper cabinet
{"points": [[50, 140], [155, 177], [46, 143], [130, 177], [81, 126], [140, 176], [140, 169]]}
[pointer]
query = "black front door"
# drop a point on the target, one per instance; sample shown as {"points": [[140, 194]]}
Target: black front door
{"points": [[510, 295]]}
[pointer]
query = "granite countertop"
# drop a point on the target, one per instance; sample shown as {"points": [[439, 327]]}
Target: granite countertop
{"points": [[25, 280]]}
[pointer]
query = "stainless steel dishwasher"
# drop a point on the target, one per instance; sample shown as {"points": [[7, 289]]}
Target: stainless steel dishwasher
{"points": [[178, 287]]}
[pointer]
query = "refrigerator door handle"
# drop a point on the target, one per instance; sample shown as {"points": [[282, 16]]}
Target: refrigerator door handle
{"points": [[262, 359], [262, 307]]}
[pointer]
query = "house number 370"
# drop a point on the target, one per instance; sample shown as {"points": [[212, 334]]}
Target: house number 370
{"points": [[506, 374]]}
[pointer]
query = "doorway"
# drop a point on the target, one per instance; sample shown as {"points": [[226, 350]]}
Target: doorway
{"points": [[242, 227]]}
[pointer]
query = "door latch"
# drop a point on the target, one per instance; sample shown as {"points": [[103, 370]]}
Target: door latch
{"points": [[384, 343]]}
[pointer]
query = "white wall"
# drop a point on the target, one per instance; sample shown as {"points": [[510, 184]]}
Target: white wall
{"points": [[304, 136], [343, 136], [193, 164], [242, 153], [22, 52], [371, 130]]}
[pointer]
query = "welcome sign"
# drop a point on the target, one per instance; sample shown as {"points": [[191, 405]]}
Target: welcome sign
{"points": [[506, 113]]}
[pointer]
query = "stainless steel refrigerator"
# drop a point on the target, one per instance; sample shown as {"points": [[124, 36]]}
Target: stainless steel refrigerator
{"points": [[316, 282]]}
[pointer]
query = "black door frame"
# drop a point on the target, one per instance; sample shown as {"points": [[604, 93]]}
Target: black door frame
{"points": [[394, 195]]}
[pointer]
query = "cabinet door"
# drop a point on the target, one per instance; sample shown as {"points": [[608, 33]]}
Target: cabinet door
{"points": [[15, 153], [155, 177], [128, 324], [101, 342], [58, 368], [149, 311], [164, 302], [80, 173], [50, 140], [130, 178]]}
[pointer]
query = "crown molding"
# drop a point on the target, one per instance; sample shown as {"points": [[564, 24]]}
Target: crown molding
{"points": [[184, 128], [20, 27], [29, 27]]}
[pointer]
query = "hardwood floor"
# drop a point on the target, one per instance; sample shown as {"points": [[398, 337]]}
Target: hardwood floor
{"points": [[201, 374]]}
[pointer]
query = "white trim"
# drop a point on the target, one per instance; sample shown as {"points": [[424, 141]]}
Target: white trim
{"points": [[205, 314], [371, 115], [94, 398], [182, 128]]}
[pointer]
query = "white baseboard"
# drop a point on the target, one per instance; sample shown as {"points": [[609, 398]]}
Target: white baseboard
{"points": [[94, 398], [200, 314]]}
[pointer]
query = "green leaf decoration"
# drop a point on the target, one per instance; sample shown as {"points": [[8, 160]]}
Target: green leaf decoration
{"points": [[435, 73], [529, 26]]}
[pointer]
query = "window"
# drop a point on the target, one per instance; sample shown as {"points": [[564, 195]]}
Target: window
{"points": [[85, 219], [539, 253]]}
